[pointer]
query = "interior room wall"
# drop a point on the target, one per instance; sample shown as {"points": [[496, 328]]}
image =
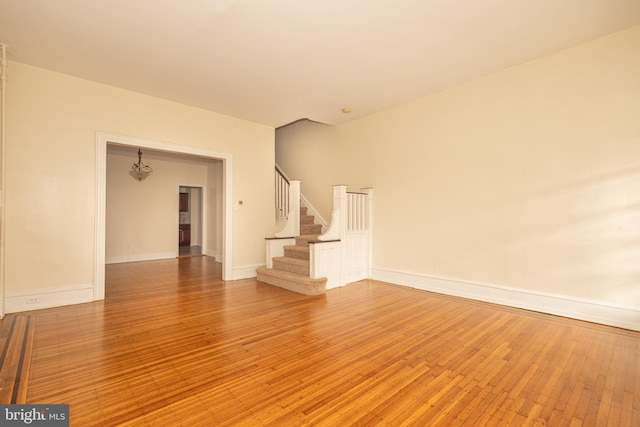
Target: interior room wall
{"points": [[213, 200], [52, 120], [524, 184]]}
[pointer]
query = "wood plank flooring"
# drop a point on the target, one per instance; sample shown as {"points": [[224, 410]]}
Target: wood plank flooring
{"points": [[174, 345], [16, 343]]}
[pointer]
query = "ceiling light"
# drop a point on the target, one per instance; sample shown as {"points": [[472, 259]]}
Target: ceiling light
{"points": [[139, 170]]}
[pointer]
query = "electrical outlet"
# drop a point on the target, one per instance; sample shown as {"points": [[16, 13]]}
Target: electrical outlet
{"points": [[32, 300]]}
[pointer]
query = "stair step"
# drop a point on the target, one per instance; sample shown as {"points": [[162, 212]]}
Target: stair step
{"points": [[293, 265], [310, 229], [304, 239], [292, 281], [291, 271], [307, 219], [297, 251]]}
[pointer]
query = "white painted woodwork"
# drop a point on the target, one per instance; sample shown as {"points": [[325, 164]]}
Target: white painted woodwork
{"points": [[292, 226], [336, 231], [275, 248], [324, 261], [3, 89], [350, 235], [282, 195]]}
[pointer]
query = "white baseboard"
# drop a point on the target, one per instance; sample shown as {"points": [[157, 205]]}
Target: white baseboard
{"points": [[213, 254], [576, 308], [245, 272], [140, 257], [26, 301]]}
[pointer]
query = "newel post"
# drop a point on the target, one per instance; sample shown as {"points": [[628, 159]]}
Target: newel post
{"points": [[369, 220], [292, 228], [338, 228]]}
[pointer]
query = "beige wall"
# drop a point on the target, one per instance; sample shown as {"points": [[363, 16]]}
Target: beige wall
{"points": [[215, 205], [52, 120], [142, 217], [527, 179]]}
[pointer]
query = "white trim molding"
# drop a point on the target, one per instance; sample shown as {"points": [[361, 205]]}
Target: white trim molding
{"points": [[246, 272], [3, 168], [48, 298], [605, 313], [213, 254]]}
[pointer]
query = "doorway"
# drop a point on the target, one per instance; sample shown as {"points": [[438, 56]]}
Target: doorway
{"points": [[226, 208], [191, 221]]}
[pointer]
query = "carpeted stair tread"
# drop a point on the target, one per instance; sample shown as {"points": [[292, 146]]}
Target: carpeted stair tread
{"points": [[296, 251], [306, 219], [292, 281], [304, 239], [294, 265], [306, 229], [291, 271]]}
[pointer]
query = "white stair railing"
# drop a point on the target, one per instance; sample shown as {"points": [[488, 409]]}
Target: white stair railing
{"points": [[287, 210], [292, 224], [282, 194]]}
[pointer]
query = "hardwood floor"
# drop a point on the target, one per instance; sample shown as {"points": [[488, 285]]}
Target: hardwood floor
{"points": [[190, 251], [174, 345], [16, 343]]}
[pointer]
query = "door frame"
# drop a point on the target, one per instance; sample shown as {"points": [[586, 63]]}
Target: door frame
{"points": [[104, 138], [202, 214]]}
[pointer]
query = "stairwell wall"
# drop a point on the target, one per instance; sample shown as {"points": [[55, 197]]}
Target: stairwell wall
{"points": [[307, 149], [522, 187]]}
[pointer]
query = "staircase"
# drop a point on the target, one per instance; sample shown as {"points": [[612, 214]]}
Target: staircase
{"points": [[310, 258], [291, 271]]}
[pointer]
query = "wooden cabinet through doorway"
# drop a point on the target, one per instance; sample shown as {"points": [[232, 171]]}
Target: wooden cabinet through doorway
{"points": [[184, 236], [184, 202]]}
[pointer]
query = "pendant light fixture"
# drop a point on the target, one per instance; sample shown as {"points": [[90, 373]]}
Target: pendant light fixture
{"points": [[139, 170]]}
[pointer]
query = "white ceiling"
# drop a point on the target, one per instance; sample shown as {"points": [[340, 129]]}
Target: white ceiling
{"points": [[277, 61]]}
